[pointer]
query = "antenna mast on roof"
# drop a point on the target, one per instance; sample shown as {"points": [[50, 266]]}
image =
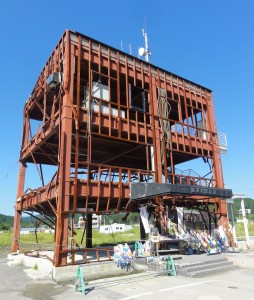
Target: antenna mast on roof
{"points": [[145, 51]]}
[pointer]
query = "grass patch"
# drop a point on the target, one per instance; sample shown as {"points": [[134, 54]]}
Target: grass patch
{"points": [[5, 238], [28, 241], [46, 240], [115, 238], [239, 227]]}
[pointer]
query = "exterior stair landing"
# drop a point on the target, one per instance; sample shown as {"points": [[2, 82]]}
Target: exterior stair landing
{"points": [[202, 265]]}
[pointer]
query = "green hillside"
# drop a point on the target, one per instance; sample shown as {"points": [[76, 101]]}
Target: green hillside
{"points": [[248, 203], [6, 222]]}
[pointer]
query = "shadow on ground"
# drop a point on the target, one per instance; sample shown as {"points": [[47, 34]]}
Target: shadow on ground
{"points": [[43, 291]]}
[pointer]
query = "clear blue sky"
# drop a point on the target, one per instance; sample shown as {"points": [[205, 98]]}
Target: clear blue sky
{"points": [[208, 42]]}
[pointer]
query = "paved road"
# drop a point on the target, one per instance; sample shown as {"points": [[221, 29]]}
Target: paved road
{"points": [[12, 281], [232, 285], [16, 285]]}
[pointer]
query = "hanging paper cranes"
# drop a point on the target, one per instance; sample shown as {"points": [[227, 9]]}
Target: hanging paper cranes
{"points": [[209, 242]]}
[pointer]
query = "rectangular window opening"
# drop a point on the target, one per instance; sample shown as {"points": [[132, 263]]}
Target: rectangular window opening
{"points": [[137, 98]]}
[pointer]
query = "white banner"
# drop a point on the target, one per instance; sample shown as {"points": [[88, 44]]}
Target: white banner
{"points": [[144, 218], [180, 219]]}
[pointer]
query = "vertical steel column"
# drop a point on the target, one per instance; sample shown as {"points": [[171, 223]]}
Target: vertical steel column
{"points": [[77, 131], [215, 146], [16, 230], [64, 187], [217, 168], [89, 231], [21, 184], [156, 131], [157, 147], [186, 115], [63, 204], [118, 87]]}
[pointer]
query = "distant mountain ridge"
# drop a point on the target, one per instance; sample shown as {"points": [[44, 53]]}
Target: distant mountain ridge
{"points": [[7, 221], [248, 203]]}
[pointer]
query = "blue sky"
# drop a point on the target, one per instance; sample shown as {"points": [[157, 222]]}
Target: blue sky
{"points": [[208, 42]]}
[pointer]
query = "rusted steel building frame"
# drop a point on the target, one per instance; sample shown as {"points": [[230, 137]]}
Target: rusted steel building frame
{"points": [[102, 143]]}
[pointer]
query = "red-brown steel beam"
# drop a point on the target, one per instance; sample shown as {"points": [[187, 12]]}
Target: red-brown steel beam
{"points": [[65, 143], [20, 188], [77, 131], [39, 139], [217, 166]]}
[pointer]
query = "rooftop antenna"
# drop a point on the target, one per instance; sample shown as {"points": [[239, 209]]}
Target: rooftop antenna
{"points": [[144, 51], [130, 49]]}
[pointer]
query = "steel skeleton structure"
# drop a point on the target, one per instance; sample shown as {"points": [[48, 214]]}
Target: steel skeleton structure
{"points": [[109, 120]]}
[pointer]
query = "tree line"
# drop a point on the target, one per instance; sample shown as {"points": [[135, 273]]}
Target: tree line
{"points": [[6, 222]]}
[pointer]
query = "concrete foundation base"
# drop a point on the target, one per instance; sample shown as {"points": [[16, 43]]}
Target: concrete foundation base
{"points": [[42, 266], [91, 271]]}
